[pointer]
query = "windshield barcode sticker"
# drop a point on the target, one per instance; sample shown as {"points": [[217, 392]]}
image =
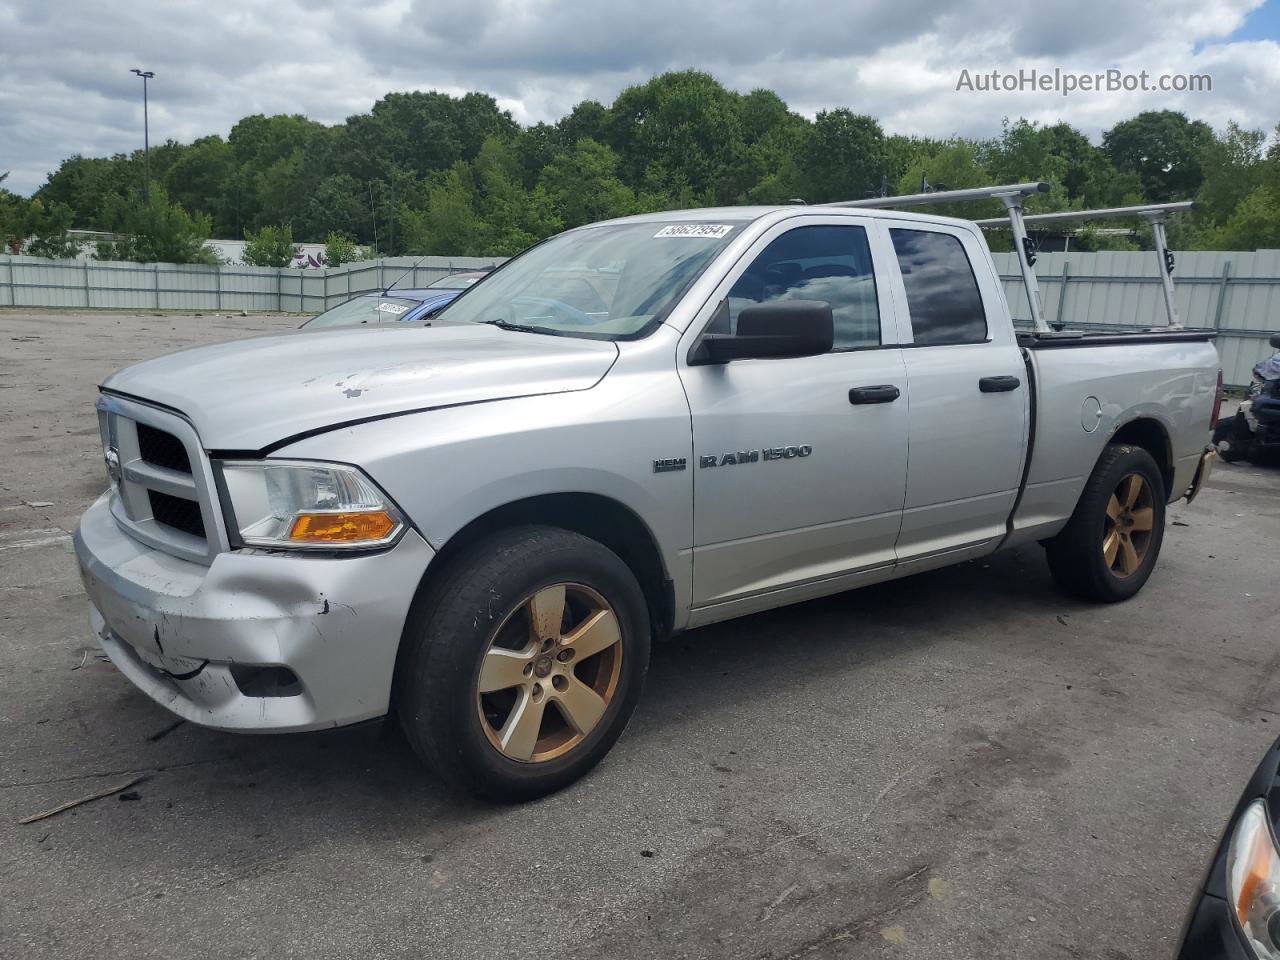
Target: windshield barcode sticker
{"points": [[395, 308], [713, 231]]}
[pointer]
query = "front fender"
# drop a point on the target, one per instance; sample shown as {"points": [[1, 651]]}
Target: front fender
{"points": [[445, 468]]}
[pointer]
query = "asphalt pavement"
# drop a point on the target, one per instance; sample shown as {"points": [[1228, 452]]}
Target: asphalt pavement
{"points": [[962, 764]]}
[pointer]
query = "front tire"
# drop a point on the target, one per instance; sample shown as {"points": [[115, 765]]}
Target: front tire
{"points": [[1110, 545], [523, 662]]}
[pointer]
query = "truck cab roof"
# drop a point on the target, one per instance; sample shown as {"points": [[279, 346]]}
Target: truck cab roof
{"points": [[775, 212]]}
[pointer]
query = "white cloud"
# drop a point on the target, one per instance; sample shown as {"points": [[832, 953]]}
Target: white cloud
{"points": [[65, 85]]}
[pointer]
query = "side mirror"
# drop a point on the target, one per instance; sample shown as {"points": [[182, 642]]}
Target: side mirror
{"points": [[787, 328], [1275, 340]]}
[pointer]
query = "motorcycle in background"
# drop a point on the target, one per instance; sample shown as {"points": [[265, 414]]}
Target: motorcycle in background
{"points": [[1253, 434]]}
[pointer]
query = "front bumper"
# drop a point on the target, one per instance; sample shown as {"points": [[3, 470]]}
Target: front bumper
{"points": [[188, 635], [1210, 931], [1265, 415]]}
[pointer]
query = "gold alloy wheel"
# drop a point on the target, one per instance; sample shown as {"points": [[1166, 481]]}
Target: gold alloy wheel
{"points": [[560, 647], [1127, 532]]}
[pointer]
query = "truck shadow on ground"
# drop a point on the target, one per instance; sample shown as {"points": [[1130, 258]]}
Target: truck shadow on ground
{"points": [[359, 774]]}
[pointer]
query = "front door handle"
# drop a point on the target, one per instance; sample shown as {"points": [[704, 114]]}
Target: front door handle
{"points": [[998, 384], [881, 393]]}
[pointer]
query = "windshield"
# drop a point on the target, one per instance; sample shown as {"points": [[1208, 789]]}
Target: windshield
{"points": [[606, 282], [456, 281], [371, 310]]}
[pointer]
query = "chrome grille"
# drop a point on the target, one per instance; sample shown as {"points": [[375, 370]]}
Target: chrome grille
{"points": [[162, 492]]}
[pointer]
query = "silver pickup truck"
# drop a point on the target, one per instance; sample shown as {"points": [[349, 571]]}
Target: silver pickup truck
{"points": [[635, 428]]}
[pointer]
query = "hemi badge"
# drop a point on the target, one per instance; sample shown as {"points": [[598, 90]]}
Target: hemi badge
{"points": [[668, 465]]}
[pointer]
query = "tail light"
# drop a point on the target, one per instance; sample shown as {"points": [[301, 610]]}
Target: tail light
{"points": [[1217, 403]]}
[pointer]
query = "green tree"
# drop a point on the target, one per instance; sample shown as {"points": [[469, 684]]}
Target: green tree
{"points": [[47, 226], [92, 187], [34, 227], [270, 246], [679, 133], [584, 184], [156, 231], [426, 168], [589, 120], [449, 224], [337, 204], [902, 153], [536, 147], [768, 168], [1087, 174], [955, 164], [1164, 149], [12, 208], [199, 180], [1234, 168], [1253, 225], [844, 157], [340, 249], [282, 189], [515, 218], [420, 131]]}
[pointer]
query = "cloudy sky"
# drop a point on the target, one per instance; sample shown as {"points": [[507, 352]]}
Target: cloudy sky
{"points": [[65, 85]]}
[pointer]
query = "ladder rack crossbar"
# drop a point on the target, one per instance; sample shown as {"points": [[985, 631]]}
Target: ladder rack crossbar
{"points": [[1106, 213], [948, 196]]}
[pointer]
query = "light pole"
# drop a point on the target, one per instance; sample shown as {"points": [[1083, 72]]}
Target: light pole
{"points": [[146, 135]]}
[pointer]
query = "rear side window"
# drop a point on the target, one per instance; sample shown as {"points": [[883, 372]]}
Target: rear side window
{"points": [[827, 263], [942, 292]]}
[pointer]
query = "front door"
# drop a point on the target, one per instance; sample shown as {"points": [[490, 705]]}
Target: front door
{"points": [[800, 463]]}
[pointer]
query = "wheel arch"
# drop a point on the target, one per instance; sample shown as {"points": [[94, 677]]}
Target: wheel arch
{"points": [[598, 517], [1152, 436]]}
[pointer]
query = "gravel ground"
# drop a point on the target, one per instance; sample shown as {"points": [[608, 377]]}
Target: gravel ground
{"points": [[962, 764]]}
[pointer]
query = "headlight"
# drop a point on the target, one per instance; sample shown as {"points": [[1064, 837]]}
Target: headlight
{"points": [[301, 505], [1253, 880]]}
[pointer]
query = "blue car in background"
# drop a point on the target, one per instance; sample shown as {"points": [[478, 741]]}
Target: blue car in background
{"points": [[396, 306]]}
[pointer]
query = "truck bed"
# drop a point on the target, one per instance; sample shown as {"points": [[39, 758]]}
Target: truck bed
{"points": [[1096, 338], [1085, 392]]}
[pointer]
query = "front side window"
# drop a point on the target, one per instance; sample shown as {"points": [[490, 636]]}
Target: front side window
{"points": [[942, 292], [827, 263]]}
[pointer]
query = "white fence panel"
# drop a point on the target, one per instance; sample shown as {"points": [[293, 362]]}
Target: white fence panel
{"points": [[100, 284], [1236, 293]]}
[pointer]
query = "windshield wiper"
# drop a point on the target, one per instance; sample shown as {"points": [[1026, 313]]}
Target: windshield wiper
{"points": [[502, 324]]}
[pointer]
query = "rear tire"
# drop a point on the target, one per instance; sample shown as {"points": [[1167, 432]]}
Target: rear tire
{"points": [[522, 663], [1110, 545]]}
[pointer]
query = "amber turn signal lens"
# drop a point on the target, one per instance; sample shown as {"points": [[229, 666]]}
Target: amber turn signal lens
{"points": [[355, 527]]}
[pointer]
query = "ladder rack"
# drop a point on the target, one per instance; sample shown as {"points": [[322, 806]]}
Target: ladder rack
{"points": [[1013, 195], [1156, 213]]}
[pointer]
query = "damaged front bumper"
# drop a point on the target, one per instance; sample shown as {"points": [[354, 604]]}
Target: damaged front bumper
{"points": [[253, 642]]}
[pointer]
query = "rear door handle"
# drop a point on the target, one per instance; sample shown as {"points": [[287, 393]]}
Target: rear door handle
{"points": [[998, 384], [881, 393]]}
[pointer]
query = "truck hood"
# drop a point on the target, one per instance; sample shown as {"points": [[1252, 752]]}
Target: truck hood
{"points": [[252, 394]]}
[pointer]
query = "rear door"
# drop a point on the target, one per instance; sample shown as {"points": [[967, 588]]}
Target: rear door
{"points": [[967, 391], [799, 477]]}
